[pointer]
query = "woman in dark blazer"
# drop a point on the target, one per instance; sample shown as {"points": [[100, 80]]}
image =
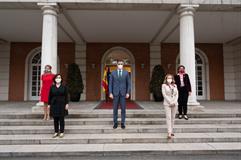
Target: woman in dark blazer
{"points": [[184, 88], [58, 104]]}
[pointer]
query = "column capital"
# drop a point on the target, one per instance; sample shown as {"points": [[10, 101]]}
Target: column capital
{"points": [[187, 9], [49, 8]]}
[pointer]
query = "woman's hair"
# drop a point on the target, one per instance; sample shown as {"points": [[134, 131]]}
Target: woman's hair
{"points": [[56, 77], [181, 66], [165, 80], [48, 66]]}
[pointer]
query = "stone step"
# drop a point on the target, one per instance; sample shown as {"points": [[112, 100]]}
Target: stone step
{"points": [[142, 114], [93, 129], [57, 150], [108, 121], [120, 138]]}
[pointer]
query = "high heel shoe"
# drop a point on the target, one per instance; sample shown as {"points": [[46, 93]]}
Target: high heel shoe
{"points": [[61, 135], [55, 135], [169, 136], [180, 116]]}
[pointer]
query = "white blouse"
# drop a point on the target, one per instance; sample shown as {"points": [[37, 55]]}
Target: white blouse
{"points": [[182, 80]]}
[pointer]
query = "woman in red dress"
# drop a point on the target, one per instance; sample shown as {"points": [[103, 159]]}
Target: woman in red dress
{"points": [[46, 83]]}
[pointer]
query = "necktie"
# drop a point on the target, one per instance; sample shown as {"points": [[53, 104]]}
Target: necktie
{"points": [[119, 73]]}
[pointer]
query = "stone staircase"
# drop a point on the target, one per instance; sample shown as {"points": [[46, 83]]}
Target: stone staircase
{"points": [[90, 132]]}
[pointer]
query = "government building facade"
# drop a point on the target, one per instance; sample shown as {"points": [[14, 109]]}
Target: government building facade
{"points": [[202, 35]]}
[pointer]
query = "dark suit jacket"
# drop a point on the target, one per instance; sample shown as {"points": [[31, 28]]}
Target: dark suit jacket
{"points": [[186, 82], [119, 85]]}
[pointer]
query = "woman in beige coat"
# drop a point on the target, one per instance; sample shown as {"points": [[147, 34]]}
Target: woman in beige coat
{"points": [[170, 94]]}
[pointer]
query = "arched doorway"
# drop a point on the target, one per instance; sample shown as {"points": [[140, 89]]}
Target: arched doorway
{"points": [[33, 74], [109, 60], [202, 78]]}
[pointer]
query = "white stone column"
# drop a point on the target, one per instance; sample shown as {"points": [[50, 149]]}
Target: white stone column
{"points": [[49, 36], [232, 69], [4, 70], [187, 46], [80, 59], [155, 58], [49, 40]]}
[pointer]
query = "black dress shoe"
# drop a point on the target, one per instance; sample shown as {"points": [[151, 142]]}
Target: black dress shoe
{"points": [[123, 126], [115, 126]]}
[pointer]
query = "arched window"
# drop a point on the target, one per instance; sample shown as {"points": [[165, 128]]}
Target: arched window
{"points": [[200, 77], [35, 73]]}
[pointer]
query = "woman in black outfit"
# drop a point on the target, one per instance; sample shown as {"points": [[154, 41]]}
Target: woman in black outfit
{"points": [[58, 104], [184, 88]]}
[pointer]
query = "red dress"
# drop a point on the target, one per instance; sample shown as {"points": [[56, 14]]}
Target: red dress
{"points": [[47, 81]]}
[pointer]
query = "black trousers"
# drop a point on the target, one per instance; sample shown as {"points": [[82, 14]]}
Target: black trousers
{"points": [[182, 101], [59, 124]]}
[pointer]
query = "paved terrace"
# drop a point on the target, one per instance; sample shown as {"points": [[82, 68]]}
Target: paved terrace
{"points": [[83, 106]]}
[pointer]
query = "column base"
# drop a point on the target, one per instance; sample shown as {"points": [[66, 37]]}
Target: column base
{"points": [[38, 107], [193, 103], [195, 106]]}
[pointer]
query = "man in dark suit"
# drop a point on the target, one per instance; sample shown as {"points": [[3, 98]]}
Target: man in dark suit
{"points": [[119, 89]]}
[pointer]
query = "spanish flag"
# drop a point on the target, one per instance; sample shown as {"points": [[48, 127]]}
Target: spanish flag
{"points": [[105, 80]]}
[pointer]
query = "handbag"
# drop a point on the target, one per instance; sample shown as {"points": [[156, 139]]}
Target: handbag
{"points": [[66, 112]]}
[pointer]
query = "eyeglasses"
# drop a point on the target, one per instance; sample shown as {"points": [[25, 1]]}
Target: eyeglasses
{"points": [[120, 64]]}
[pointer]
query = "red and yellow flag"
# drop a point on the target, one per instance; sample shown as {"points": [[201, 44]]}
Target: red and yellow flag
{"points": [[104, 82]]}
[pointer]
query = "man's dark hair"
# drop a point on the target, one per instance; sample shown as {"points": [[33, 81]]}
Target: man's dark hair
{"points": [[120, 60]]}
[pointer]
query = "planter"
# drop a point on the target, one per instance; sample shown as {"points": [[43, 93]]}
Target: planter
{"points": [[158, 98], [75, 97], [74, 82], [157, 78]]}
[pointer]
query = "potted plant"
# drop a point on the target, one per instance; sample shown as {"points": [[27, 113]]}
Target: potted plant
{"points": [[74, 82], [157, 78]]}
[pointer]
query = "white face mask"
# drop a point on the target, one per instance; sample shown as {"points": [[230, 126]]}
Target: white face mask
{"points": [[120, 66], [169, 80], [58, 80], [47, 70]]}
